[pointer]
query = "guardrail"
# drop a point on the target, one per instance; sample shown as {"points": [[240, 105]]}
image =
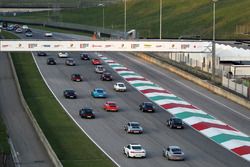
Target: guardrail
{"points": [[37, 128]]}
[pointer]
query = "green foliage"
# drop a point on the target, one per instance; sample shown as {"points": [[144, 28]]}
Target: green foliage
{"points": [[4, 145]]}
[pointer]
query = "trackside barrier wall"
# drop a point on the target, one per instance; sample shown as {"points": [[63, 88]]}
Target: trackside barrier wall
{"points": [[196, 80], [38, 130]]}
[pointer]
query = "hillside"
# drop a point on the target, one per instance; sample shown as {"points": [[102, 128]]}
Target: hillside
{"points": [[182, 17]]}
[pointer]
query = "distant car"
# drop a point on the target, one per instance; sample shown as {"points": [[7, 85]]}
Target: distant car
{"points": [[28, 34], [19, 30], [69, 94], [25, 27], [70, 62], [96, 62], [173, 153], [76, 77], [10, 28], [134, 150], [99, 69], [174, 122], [63, 55], [51, 61], [147, 107], [84, 56], [133, 127], [48, 34], [106, 76], [99, 93], [110, 106], [16, 26], [41, 54], [120, 87], [86, 113]]}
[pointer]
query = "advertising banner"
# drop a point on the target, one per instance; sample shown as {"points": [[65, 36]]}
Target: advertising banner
{"points": [[121, 46]]}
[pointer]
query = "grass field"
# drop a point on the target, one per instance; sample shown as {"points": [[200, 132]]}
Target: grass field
{"points": [[4, 145], [182, 17], [71, 145]]}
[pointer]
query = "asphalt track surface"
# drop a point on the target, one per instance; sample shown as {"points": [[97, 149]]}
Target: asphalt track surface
{"points": [[28, 147], [107, 128]]}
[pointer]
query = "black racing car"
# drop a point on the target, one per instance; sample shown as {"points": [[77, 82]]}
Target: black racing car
{"points": [[51, 61], [174, 122], [70, 94], [106, 77], [147, 107]]}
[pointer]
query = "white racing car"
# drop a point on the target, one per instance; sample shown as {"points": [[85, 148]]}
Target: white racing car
{"points": [[134, 150], [120, 87], [63, 55], [48, 34]]}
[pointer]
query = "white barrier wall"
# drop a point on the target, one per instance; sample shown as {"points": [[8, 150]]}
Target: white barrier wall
{"points": [[145, 46]]}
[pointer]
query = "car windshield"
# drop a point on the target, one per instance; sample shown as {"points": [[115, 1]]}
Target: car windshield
{"points": [[135, 125], [120, 85], [99, 91], [71, 91], [112, 104], [100, 68], [178, 121], [136, 147], [148, 105], [176, 150], [107, 74], [88, 111]]}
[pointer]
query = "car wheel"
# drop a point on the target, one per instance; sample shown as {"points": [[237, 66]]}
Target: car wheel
{"points": [[171, 126], [168, 157], [128, 155]]}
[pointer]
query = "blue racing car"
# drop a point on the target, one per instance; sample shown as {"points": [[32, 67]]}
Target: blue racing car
{"points": [[99, 92]]}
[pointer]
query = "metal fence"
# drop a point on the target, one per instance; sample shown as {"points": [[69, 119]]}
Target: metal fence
{"points": [[198, 61], [236, 85]]}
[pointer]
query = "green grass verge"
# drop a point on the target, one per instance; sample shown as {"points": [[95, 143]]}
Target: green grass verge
{"points": [[185, 17], [72, 146], [4, 145]]}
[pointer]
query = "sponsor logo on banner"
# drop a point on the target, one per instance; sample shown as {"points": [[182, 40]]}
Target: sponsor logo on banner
{"points": [[71, 45], [57, 46], [19, 46], [172, 46], [122, 46], [108, 46], [84, 45], [185, 46], [32, 45], [5, 46], [147, 45], [158, 46], [46, 46], [96, 46], [134, 46]]}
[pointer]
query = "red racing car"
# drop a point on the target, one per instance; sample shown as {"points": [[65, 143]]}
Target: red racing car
{"points": [[96, 62], [110, 106]]}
